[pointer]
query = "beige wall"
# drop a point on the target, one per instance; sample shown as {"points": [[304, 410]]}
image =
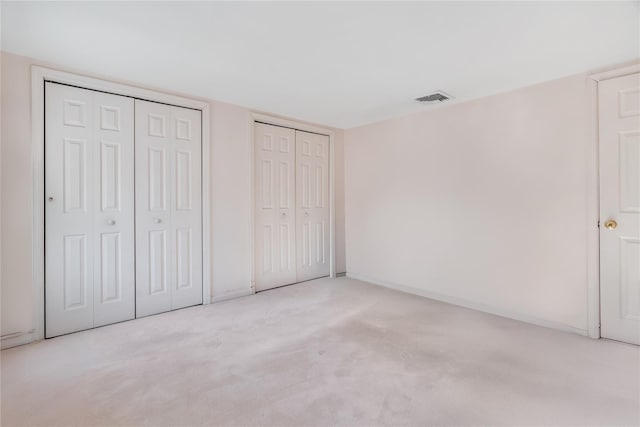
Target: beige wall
{"points": [[16, 195], [230, 187], [482, 203]]}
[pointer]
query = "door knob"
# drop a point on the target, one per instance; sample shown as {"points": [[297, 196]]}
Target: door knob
{"points": [[283, 214], [111, 222], [51, 198], [610, 224], [158, 221], [306, 214]]}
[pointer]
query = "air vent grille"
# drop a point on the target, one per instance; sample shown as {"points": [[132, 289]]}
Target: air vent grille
{"points": [[438, 96]]}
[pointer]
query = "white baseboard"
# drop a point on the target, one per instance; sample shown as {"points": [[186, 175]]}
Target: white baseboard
{"points": [[470, 304], [233, 293], [22, 338], [17, 339]]}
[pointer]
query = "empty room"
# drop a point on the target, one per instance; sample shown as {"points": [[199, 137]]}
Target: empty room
{"points": [[353, 213]]}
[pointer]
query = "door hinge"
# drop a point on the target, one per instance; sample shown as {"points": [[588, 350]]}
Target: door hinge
{"points": [[598, 223]]}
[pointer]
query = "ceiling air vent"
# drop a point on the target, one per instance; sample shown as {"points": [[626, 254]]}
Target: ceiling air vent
{"points": [[437, 96]]}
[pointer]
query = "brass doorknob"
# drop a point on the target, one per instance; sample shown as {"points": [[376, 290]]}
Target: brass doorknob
{"points": [[610, 224]]}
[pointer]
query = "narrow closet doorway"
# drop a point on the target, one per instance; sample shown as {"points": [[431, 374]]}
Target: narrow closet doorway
{"points": [[292, 229], [123, 208]]}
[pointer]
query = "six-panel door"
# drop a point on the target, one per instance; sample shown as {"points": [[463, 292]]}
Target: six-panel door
{"points": [[168, 187], [89, 209], [275, 222], [619, 106]]}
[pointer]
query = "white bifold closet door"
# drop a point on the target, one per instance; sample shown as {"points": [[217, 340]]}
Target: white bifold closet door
{"points": [[291, 205], [168, 207], [275, 221], [312, 206], [89, 209]]}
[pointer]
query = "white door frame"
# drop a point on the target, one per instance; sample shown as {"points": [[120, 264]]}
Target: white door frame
{"points": [[38, 76], [276, 121], [593, 195]]}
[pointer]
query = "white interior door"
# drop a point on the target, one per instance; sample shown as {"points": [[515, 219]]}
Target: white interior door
{"points": [[619, 106], [168, 208], [275, 251], [89, 228], [312, 205]]}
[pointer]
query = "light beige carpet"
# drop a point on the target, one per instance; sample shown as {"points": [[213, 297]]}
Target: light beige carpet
{"points": [[325, 352]]}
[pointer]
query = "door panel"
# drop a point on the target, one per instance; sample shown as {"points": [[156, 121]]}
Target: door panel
{"points": [[74, 175], [168, 208], [75, 278], [184, 258], [110, 168], [153, 219], [312, 207], [619, 107], [157, 177], [158, 264], [275, 213], [88, 213], [114, 265], [186, 209], [110, 268]]}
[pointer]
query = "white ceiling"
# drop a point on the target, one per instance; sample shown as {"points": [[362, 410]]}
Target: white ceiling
{"points": [[338, 64]]}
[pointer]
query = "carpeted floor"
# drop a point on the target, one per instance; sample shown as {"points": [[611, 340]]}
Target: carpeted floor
{"points": [[325, 352]]}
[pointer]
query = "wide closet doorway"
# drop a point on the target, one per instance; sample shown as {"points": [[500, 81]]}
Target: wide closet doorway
{"points": [[292, 236], [123, 216]]}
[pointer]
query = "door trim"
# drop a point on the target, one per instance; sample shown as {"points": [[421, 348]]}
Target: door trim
{"points": [[593, 191], [270, 120], [38, 76]]}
